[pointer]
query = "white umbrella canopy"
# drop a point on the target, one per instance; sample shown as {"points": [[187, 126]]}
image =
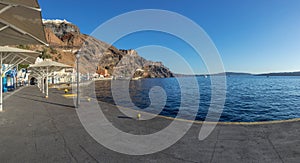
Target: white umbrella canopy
{"points": [[51, 65], [46, 68], [13, 57], [21, 23]]}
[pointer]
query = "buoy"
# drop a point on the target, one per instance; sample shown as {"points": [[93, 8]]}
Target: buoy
{"points": [[66, 90], [139, 115]]}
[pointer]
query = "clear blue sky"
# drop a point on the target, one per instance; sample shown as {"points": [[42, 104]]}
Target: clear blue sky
{"points": [[251, 35]]}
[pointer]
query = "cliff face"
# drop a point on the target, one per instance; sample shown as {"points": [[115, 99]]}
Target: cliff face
{"points": [[66, 40], [61, 27], [63, 34], [133, 65]]}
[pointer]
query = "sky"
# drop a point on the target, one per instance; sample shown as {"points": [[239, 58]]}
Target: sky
{"points": [[254, 36]]}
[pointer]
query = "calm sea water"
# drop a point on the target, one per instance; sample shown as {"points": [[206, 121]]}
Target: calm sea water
{"points": [[248, 98]]}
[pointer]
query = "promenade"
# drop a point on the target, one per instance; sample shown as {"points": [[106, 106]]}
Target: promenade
{"points": [[35, 129]]}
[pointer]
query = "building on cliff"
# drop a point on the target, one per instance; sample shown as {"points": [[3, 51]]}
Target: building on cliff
{"points": [[102, 71]]}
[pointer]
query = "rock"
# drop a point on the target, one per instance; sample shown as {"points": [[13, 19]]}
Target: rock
{"points": [[61, 28], [127, 64], [66, 40]]}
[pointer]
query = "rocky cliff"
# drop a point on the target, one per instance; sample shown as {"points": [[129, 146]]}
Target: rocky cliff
{"points": [[133, 65], [66, 40]]}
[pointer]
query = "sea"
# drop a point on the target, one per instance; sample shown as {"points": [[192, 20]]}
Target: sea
{"points": [[246, 98]]}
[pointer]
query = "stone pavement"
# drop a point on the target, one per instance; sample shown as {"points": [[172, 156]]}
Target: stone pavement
{"points": [[35, 129]]}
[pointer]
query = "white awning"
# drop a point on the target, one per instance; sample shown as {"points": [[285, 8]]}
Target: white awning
{"points": [[13, 56], [46, 69], [21, 23], [51, 65]]}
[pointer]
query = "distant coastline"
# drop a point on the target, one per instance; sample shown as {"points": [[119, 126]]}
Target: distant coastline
{"points": [[242, 74], [281, 74]]}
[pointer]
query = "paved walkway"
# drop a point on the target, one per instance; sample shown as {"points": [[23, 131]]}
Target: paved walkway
{"points": [[34, 129]]}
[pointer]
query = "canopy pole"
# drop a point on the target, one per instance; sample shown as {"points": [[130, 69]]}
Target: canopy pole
{"points": [[78, 78], [1, 100], [47, 92], [16, 77], [43, 84], [38, 83]]}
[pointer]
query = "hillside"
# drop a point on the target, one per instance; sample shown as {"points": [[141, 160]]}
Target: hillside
{"points": [[218, 74], [281, 74], [66, 40], [232, 74]]}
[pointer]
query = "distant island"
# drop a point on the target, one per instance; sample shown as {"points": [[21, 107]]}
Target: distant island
{"points": [[281, 74], [242, 74], [232, 74]]}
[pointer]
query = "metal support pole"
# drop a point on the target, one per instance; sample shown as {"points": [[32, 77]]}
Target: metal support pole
{"points": [[47, 83], [78, 80], [43, 84], [38, 83]]}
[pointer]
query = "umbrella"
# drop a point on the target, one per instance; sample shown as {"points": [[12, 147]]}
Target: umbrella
{"points": [[13, 57], [21, 23], [46, 68]]}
